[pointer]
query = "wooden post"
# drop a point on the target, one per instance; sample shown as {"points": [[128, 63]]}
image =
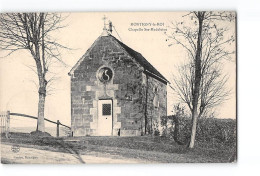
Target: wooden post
{"points": [[7, 125], [58, 126]]}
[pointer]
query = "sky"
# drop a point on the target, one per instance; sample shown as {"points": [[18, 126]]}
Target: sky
{"points": [[17, 82]]}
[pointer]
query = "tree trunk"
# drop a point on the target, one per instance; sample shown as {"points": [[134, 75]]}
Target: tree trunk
{"points": [[193, 129], [41, 103], [196, 89], [41, 91], [40, 120]]}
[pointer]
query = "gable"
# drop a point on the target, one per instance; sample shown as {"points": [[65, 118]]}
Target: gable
{"points": [[83, 57], [148, 68]]}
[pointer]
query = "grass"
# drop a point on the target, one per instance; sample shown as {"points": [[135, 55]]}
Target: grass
{"points": [[150, 148]]}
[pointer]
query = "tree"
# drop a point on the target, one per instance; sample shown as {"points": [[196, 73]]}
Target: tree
{"points": [[32, 32], [201, 83]]}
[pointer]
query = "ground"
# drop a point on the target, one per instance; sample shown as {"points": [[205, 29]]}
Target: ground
{"points": [[23, 148], [28, 155]]}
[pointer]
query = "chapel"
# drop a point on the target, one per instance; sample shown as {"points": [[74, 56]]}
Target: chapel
{"points": [[115, 91]]}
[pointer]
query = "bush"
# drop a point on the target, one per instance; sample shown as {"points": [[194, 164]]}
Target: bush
{"points": [[216, 131], [156, 128], [209, 130]]}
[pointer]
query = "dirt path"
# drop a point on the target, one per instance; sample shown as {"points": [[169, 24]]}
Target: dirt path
{"points": [[23, 155]]}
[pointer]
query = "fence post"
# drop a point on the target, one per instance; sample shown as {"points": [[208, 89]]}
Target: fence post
{"points": [[7, 125], [58, 126]]}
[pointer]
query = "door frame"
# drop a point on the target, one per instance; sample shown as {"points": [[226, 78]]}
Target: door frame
{"points": [[112, 109]]}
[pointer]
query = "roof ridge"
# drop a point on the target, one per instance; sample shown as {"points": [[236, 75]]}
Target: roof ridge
{"points": [[141, 60], [149, 68]]}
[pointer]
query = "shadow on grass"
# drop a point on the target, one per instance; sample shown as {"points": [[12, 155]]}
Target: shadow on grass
{"points": [[41, 141], [60, 144], [148, 147]]}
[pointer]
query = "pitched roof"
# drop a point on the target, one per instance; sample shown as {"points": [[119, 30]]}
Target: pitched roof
{"points": [[142, 61], [149, 69]]}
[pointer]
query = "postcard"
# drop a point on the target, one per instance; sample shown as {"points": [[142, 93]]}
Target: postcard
{"points": [[118, 87]]}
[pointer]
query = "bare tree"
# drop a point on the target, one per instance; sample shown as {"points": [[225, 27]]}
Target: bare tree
{"points": [[32, 32], [201, 83]]}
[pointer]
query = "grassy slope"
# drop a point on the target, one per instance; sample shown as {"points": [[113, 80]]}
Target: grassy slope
{"points": [[154, 149]]}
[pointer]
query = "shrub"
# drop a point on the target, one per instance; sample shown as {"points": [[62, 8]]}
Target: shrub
{"points": [[216, 131], [156, 128], [209, 130]]}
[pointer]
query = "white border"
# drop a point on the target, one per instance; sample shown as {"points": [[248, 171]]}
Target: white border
{"points": [[248, 87]]}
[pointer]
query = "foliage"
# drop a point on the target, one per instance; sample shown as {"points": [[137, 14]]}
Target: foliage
{"points": [[156, 130], [212, 131]]}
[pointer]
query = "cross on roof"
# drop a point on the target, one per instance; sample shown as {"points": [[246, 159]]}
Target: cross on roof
{"points": [[104, 18]]}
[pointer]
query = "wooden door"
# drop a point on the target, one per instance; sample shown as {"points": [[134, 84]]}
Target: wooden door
{"points": [[105, 112]]}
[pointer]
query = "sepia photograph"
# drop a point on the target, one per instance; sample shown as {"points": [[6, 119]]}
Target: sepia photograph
{"points": [[118, 87]]}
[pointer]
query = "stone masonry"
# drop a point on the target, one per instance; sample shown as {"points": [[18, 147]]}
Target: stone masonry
{"points": [[137, 97]]}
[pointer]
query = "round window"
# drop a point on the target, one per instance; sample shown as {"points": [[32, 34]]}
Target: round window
{"points": [[105, 74]]}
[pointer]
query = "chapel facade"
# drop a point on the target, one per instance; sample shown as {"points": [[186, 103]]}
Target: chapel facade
{"points": [[115, 91]]}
